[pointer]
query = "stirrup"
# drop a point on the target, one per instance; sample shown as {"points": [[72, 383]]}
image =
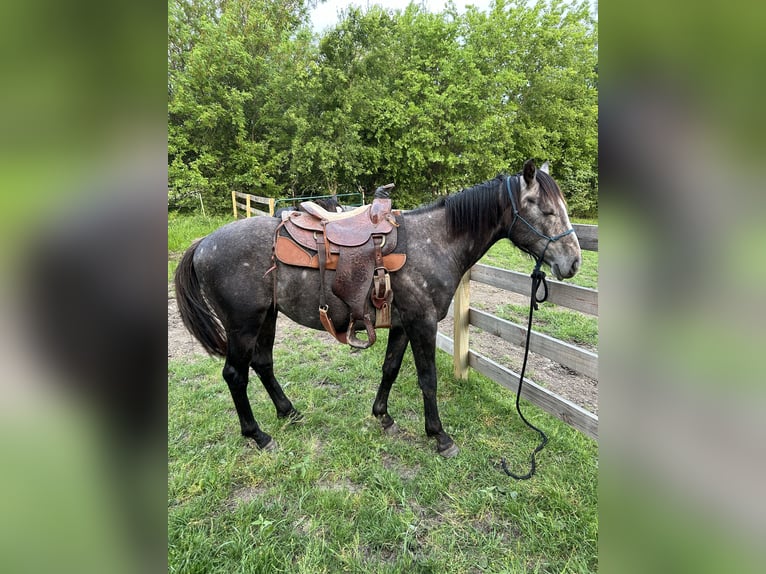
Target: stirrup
{"points": [[360, 343]]}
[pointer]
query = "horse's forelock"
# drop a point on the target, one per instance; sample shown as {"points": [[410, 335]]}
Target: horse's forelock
{"points": [[549, 189]]}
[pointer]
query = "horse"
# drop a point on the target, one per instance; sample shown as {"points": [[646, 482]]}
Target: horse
{"points": [[226, 297]]}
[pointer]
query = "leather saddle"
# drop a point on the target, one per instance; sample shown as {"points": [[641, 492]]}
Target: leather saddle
{"points": [[358, 245]]}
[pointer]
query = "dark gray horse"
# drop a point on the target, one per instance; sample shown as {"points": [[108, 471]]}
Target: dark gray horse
{"points": [[226, 299]]}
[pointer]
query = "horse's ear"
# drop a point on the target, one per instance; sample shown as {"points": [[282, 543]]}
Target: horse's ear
{"points": [[529, 171], [546, 168]]}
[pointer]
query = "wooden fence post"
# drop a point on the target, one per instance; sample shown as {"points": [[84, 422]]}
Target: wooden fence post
{"points": [[272, 201], [460, 327], [247, 205], [234, 203]]}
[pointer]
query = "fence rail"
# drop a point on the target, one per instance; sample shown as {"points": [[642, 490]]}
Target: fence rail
{"points": [[571, 296], [571, 356], [251, 200], [247, 207]]}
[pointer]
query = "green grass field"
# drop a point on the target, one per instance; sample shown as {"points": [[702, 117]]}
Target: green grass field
{"points": [[340, 496]]}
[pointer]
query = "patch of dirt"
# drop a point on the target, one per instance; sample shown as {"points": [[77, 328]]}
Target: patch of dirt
{"points": [[244, 495], [577, 388], [393, 464], [181, 343], [339, 485]]}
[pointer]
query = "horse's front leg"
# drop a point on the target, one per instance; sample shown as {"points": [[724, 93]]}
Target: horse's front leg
{"points": [[397, 345], [423, 340]]}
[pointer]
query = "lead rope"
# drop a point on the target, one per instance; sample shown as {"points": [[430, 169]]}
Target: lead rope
{"points": [[538, 277]]}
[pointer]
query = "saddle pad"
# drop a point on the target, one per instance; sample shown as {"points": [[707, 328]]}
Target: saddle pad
{"points": [[289, 252]]}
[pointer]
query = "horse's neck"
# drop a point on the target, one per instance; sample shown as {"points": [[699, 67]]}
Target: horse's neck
{"points": [[459, 251]]}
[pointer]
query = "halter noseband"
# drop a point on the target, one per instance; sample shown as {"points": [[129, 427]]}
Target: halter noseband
{"points": [[517, 216]]}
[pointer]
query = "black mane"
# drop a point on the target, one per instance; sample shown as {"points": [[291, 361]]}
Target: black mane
{"points": [[480, 207], [476, 208]]}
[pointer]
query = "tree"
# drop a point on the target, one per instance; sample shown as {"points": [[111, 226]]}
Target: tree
{"points": [[433, 102], [222, 60]]}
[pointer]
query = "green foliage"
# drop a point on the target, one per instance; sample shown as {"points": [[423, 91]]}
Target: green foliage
{"points": [[433, 102]]}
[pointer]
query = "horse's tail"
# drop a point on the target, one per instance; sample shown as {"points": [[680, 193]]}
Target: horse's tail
{"points": [[197, 315]]}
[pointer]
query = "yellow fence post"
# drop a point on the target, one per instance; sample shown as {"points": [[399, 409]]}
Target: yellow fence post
{"points": [[271, 206], [234, 203], [247, 204], [460, 327]]}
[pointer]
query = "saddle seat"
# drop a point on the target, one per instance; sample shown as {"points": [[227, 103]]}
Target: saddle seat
{"points": [[318, 211], [359, 246]]}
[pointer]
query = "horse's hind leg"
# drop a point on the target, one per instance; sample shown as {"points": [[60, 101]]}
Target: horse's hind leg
{"points": [[263, 365], [235, 373], [397, 345]]}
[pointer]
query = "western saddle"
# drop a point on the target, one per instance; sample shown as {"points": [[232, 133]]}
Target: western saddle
{"points": [[358, 245]]}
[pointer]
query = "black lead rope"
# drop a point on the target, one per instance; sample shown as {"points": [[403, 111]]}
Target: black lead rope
{"points": [[538, 277], [512, 184]]}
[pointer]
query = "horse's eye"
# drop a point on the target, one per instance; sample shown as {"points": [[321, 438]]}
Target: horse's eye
{"points": [[549, 213]]}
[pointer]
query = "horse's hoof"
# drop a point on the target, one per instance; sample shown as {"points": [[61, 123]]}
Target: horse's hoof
{"points": [[295, 417], [450, 451], [271, 445], [391, 430]]}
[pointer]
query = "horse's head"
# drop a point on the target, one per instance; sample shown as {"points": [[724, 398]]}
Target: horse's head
{"points": [[540, 222]]}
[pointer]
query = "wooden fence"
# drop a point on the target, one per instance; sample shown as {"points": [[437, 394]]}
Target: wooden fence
{"points": [[248, 207], [251, 200], [580, 360]]}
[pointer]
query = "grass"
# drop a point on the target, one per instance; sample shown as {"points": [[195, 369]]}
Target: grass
{"points": [[340, 496], [569, 326], [183, 229]]}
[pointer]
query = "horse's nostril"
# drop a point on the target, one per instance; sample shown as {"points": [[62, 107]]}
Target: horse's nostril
{"points": [[574, 268]]}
